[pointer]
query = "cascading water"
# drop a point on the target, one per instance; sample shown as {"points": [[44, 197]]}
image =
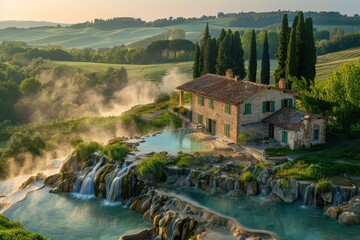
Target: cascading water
{"points": [[308, 195], [88, 185], [237, 185], [114, 193]]}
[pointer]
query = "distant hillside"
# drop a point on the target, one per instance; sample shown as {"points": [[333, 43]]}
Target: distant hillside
{"points": [[328, 63], [28, 24]]}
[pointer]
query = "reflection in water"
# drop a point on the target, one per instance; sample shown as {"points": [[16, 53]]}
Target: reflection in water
{"points": [[60, 216]]}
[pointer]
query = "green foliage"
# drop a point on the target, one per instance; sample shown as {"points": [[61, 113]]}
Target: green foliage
{"points": [[196, 66], [247, 177], [116, 151], [243, 137], [162, 97], [153, 168], [323, 185], [285, 183], [11, 230], [84, 150], [283, 49], [252, 68], [225, 57], [238, 64], [210, 54], [265, 63], [291, 60], [185, 160], [309, 71], [74, 141], [300, 44], [30, 86]]}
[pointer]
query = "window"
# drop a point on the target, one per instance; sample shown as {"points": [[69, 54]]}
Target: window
{"points": [[227, 130], [286, 103], [200, 100], [211, 103], [227, 108], [247, 108], [316, 134], [269, 106], [284, 137], [200, 118]]}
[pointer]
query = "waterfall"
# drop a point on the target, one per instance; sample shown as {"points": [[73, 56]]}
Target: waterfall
{"points": [[308, 197], [88, 185], [214, 183], [237, 185], [337, 198], [263, 193], [114, 193], [315, 196]]}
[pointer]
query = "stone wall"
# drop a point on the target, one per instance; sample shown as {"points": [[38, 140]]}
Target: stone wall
{"points": [[218, 114], [256, 105]]}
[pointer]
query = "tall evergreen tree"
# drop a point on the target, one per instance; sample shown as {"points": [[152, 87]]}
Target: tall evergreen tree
{"points": [[210, 54], [224, 58], [238, 63], [291, 61], [282, 50], [203, 42], [309, 52], [300, 45], [196, 65], [265, 63], [252, 58], [222, 36]]}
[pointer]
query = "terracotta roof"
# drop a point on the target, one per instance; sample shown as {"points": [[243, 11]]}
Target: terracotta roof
{"points": [[223, 89], [289, 118]]}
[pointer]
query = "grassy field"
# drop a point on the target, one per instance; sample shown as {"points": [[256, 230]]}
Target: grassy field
{"points": [[328, 63]]}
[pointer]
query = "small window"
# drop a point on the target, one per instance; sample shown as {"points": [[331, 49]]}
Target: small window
{"points": [[269, 106], [201, 100], [286, 103], [227, 108], [284, 137], [200, 118], [316, 134], [247, 108], [227, 130], [211, 103]]}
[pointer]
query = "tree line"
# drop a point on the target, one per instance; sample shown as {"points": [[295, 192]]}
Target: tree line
{"points": [[157, 52], [226, 52]]}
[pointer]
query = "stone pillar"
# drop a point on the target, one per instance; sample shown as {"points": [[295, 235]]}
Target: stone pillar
{"points": [[181, 98]]}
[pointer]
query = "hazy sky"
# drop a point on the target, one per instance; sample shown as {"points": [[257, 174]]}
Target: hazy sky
{"points": [[71, 11]]}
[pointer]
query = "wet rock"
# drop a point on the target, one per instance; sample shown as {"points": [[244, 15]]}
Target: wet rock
{"points": [[252, 188], [263, 176], [275, 198], [30, 181], [333, 212], [172, 179], [327, 197], [286, 193], [349, 218], [354, 205], [51, 180], [71, 164], [144, 234]]}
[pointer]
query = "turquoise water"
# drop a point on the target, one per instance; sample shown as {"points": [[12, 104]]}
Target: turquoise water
{"points": [[172, 142], [288, 221], [62, 216]]}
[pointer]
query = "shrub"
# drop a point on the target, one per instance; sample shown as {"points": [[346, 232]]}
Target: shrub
{"points": [[162, 97], [85, 149], [183, 111], [243, 137], [184, 161], [285, 183], [75, 141], [116, 151], [247, 177], [153, 168], [323, 185]]}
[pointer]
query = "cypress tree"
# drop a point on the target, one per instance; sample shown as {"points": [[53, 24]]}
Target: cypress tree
{"points": [[238, 64], [291, 61], [252, 58], [196, 66], [222, 36], [300, 45], [265, 63], [224, 58], [309, 52], [282, 50], [210, 54], [203, 46]]}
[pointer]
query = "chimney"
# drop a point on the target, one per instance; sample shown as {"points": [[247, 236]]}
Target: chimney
{"points": [[229, 74], [282, 83]]}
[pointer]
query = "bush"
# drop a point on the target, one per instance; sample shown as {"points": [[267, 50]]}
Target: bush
{"points": [[247, 177], [243, 137], [75, 141], [85, 149], [285, 183], [183, 111], [162, 97], [153, 168], [323, 185], [116, 151], [184, 161]]}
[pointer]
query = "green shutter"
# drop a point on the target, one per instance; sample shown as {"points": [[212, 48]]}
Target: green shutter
{"points": [[272, 106], [264, 107], [284, 137], [290, 103], [283, 103]]}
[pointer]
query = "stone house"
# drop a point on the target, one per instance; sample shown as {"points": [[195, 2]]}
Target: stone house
{"points": [[227, 106]]}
